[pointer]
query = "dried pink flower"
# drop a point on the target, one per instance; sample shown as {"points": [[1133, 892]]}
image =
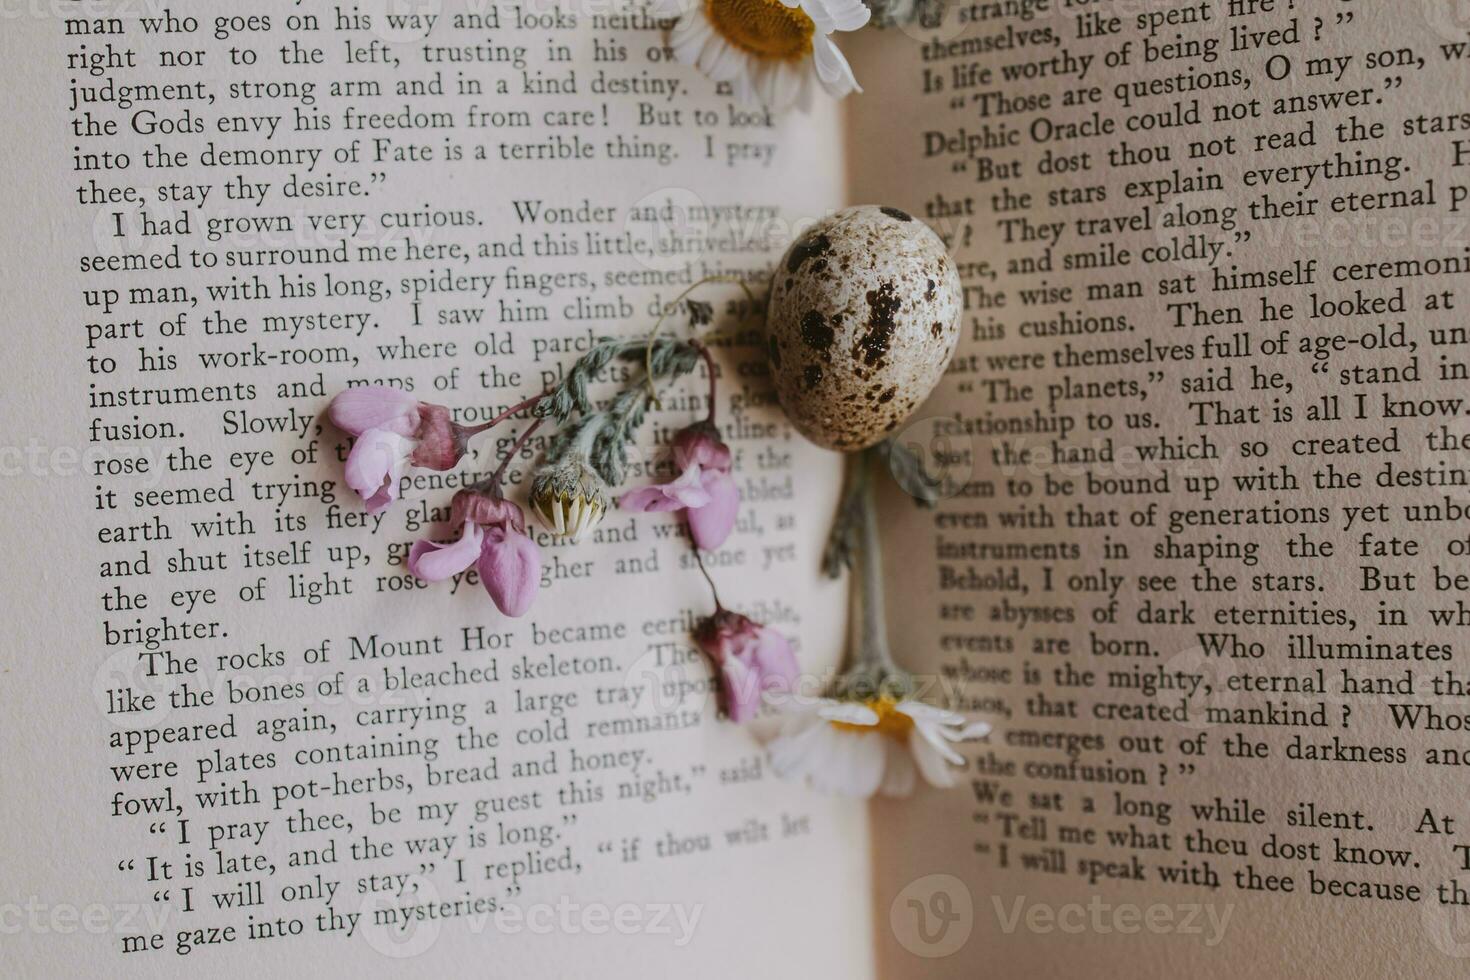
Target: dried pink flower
{"points": [[752, 659], [392, 431], [704, 489], [493, 538]]}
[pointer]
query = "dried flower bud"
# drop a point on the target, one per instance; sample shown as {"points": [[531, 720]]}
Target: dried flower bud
{"points": [[441, 442], [486, 510], [493, 539], [700, 443], [569, 497], [752, 659], [393, 431]]}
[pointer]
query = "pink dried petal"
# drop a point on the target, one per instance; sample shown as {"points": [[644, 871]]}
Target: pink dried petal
{"points": [[686, 491], [440, 446], [711, 524], [775, 660], [374, 466], [357, 410], [487, 511], [741, 687], [434, 562], [700, 444], [510, 568], [752, 659]]}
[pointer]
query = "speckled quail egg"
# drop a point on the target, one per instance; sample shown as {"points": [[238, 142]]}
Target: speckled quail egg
{"points": [[863, 318]]}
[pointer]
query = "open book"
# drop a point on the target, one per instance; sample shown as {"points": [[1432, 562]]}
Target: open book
{"points": [[1201, 557]]}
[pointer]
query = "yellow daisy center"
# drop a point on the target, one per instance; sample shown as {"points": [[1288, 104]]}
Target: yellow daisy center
{"points": [[764, 28], [891, 721]]}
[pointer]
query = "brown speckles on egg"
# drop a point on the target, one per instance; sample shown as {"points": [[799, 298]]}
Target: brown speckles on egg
{"points": [[867, 316], [815, 333], [810, 247], [896, 214], [883, 304]]}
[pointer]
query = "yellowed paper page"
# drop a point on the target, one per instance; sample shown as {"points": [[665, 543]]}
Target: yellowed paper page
{"points": [[240, 739], [1203, 556]]}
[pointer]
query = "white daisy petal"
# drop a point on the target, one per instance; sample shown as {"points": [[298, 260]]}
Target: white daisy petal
{"points": [[723, 61], [935, 737], [786, 85], [977, 730], [788, 751], [832, 68], [767, 84], [829, 761], [804, 97], [824, 755], [834, 15], [845, 15], [869, 771], [859, 748], [919, 711], [899, 775], [849, 711], [854, 765], [935, 769], [688, 37]]}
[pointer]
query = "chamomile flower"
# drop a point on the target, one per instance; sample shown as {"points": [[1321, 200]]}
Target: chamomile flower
{"points": [[569, 497], [871, 738], [771, 51], [871, 733]]}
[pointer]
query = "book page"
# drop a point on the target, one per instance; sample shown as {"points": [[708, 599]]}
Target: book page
{"points": [[1203, 554], [240, 739]]}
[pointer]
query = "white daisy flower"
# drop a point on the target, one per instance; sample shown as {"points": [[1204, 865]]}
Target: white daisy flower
{"points": [[861, 747], [769, 50], [569, 497]]}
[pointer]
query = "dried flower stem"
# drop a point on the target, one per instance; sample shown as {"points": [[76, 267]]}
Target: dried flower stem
{"points": [[842, 540], [475, 430], [872, 639], [714, 592], [493, 483], [709, 367], [673, 305]]}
